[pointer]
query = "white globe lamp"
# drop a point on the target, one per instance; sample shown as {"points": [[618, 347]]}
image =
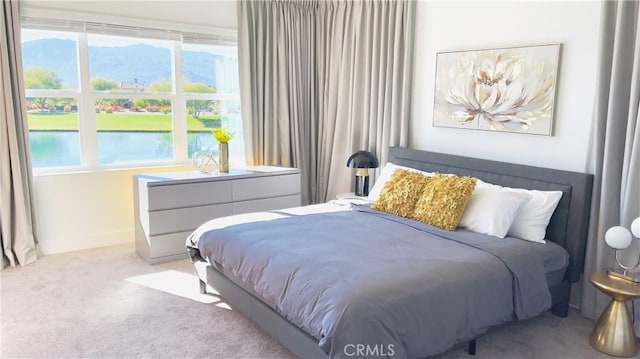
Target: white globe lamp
{"points": [[620, 238], [635, 227]]}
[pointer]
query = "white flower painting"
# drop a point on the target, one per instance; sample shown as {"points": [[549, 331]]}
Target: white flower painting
{"points": [[508, 90]]}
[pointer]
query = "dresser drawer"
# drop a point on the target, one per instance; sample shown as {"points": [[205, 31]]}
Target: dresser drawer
{"points": [[168, 244], [185, 219], [266, 204], [265, 187], [188, 195]]}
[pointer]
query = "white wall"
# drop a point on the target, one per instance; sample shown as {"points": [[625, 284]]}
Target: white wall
{"points": [[86, 210], [454, 25], [94, 209]]}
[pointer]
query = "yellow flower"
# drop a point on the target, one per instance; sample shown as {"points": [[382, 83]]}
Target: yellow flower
{"points": [[221, 134]]}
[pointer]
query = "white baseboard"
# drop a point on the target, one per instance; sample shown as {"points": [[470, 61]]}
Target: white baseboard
{"points": [[61, 245]]}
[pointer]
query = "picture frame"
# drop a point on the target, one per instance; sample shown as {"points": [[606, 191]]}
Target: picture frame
{"points": [[509, 89]]}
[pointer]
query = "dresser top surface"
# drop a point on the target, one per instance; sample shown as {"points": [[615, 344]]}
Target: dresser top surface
{"points": [[182, 177]]}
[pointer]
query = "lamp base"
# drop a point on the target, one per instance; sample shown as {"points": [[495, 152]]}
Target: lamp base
{"points": [[362, 186]]}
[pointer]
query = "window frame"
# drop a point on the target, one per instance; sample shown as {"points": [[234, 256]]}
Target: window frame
{"points": [[86, 100]]}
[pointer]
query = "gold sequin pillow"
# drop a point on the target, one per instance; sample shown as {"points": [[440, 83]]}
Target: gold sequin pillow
{"points": [[400, 193], [443, 201]]}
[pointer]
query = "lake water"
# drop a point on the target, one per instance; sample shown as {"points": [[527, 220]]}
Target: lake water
{"points": [[62, 148]]}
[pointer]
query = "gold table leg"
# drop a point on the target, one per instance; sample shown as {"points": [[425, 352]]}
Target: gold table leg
{"points": [[614, 334]]}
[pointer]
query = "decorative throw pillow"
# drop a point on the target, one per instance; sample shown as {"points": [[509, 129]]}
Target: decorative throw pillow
{"points": [[492, 209], [385, 176], [400, 193], [531, 222], [443, 200]]}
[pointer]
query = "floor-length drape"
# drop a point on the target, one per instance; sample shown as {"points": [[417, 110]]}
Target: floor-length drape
{"points": [[366, 72], [615, 157], [16, 214], [278, 85], [320, 80]]}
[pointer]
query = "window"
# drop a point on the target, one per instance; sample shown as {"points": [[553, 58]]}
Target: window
{"points": [[131, 128], [97, 100], [210, 96], [53, 119]]}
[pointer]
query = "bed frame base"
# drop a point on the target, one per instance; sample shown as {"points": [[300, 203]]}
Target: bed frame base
{"points": [[298, 342], [471, 348], [291, 337], [560, 295]]}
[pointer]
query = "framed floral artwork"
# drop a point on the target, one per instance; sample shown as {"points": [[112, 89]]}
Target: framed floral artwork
{"points": [[508, 89]]}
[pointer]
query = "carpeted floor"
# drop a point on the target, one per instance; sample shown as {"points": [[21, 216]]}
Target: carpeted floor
{"points": [[109, 303]]}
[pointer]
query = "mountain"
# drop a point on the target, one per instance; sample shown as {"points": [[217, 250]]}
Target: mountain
{"points": [[145, 63], [55, 54]]}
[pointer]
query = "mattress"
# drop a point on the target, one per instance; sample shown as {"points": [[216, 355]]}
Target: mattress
{"points": [[555, 260], [355, 276]]}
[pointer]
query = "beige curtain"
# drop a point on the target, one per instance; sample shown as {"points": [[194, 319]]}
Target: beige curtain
{"points": [[16, 215], [615, 156], [322, 79], [366, 72], [278, 84]]}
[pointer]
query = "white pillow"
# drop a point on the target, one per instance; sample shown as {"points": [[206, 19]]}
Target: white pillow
{"points": [[492, 209], [531, 222], [385, 175]]}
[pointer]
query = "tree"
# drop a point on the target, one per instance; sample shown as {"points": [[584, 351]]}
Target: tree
{"points": [[196, 106], [198, 88], [140, 103], [102, 84], [161, 87], [41, 78]]}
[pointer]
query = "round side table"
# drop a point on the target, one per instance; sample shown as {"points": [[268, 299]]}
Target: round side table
{"points": [[613, 333]]}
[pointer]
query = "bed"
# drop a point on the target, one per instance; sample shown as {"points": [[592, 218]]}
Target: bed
{"points": [[336, 281]]}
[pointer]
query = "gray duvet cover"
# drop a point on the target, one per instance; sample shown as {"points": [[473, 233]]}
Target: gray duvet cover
{"points": [[364, 280]]}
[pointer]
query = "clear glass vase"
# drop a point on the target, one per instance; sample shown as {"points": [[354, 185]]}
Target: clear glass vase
{"points": [[204, 161], [223, 162]]}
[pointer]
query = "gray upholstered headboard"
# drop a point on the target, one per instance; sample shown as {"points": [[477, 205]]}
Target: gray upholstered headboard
{"points": [[570, 221]]}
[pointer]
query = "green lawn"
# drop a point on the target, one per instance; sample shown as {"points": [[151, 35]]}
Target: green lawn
{"points": [[119, 122]]}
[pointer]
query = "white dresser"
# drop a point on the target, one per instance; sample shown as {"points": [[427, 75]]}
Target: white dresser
{"points": [[169, 206]]}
